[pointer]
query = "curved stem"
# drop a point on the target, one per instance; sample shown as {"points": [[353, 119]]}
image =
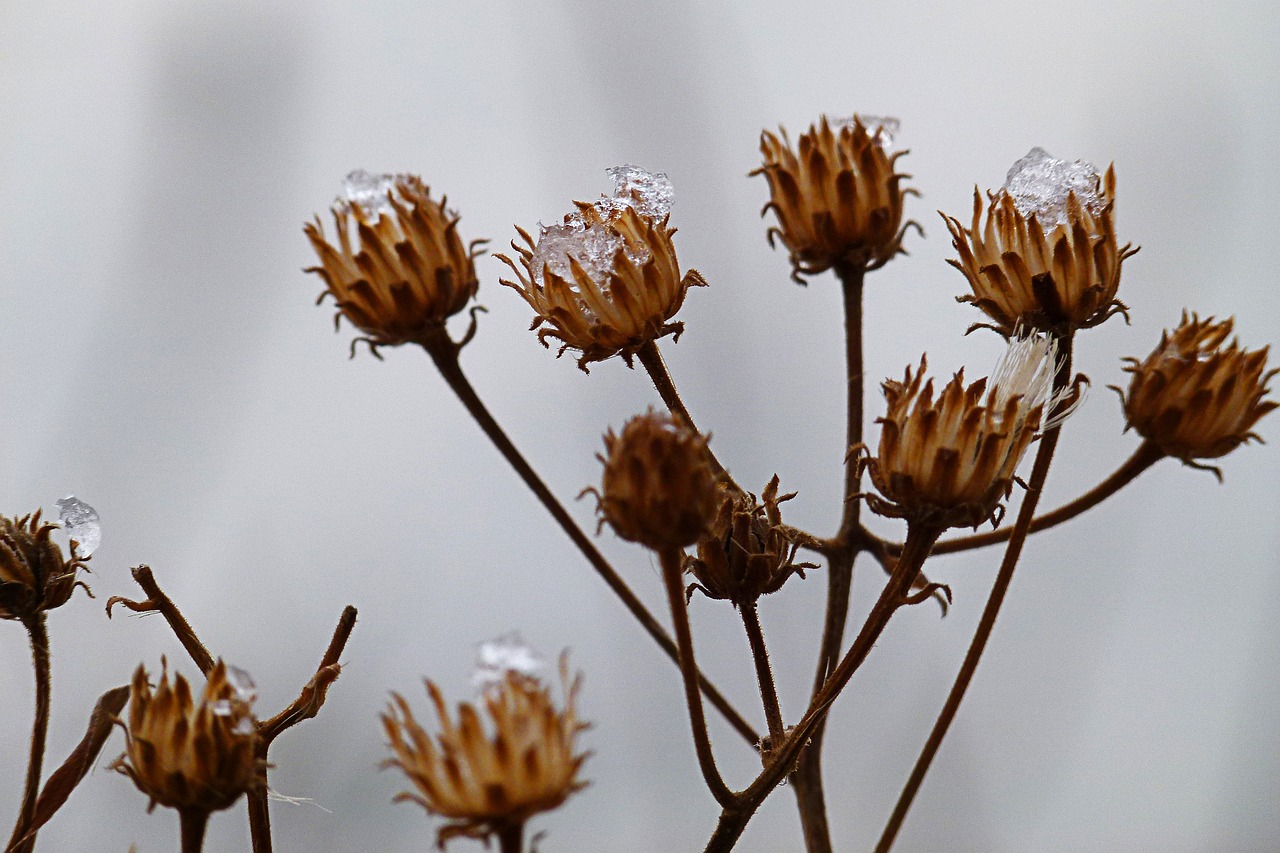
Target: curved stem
{"points": [[764, 674], [445, 355], [23, 840], [672, 577], [1021, 528], [193, 825]]}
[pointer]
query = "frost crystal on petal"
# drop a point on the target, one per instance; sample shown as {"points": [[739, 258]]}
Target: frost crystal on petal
{"points": [[508, 653], [650, 193], [1040, 184], [81, 523], [246, 690], [221, 708], [369, 192], [883, 129]]}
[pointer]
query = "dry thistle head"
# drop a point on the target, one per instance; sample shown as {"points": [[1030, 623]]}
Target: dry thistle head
{"points": [[1046, 257], [34, 575], [486, 783], [193, 756], [838, 198], [949, 461], [405, 271], [1196, 397], [658, 489], [604, 283], [746, 553]]}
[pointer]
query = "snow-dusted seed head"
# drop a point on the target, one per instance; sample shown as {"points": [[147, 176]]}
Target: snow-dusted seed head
{"points": [[398, 269], [658, 488], [1046, 256], [1196, 396], [605, 282], [484, 783], [949, 461], [35, 576], [196, 756], [837, 195]]}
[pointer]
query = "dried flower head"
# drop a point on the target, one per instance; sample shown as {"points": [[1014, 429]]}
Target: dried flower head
{"points": [[747, 553], [658, 489], [34, 575], [604, 283], [1046, 257], [1195, 396], [837, 196], [405, 271], [485, 784], [193, 756], [949, 461]]}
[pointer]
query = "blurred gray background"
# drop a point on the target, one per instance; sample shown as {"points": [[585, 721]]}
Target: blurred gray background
{"points": [[161, 358]]}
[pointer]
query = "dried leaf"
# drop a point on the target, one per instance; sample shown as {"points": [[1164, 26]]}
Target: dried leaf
{"points": [[63, 781]]}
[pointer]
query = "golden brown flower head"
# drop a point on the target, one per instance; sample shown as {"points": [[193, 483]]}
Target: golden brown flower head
{"points": [[747, 553], [1196, 397], [34, 574], [838, 198], [949, 461], [486, 783], [195, 756], [405, 271], [605, 283], [658, 489], [1046, 257]]}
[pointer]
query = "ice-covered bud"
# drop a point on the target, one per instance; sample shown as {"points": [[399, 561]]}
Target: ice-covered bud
{"points": [[837, 195], [81, 523], [1046, 256], [35, 576]]}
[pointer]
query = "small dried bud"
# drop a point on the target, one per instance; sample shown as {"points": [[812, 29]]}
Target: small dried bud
{"points": [[747, 552], [34, 575], [406, 272], [838, 200], [1196, 397], [484, 784], [950, 461], [605, 283], [658, 488], [1026, 269], [192, 756]]}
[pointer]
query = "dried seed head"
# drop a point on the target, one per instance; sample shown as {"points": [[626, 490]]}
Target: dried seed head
{"points": [[1195, 396], [190, 755], [484, 783], [404, 271], [604, 283], [949, 461], [658, 488], [34, 575], [837, 197], [747, 552], [1044, 275]]}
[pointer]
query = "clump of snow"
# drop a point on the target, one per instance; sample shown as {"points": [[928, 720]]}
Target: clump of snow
{"points": [[1039, 185], [81, 523], [650, 193], [508, 653]]}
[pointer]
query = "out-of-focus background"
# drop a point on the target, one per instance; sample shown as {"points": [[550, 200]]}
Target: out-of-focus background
{"points": [[162, 359]]}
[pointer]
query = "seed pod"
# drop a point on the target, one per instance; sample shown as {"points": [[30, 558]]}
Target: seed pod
{"points": [[34, 575]]}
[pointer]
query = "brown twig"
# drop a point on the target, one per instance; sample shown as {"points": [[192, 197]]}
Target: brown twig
{"points": [[24, 836], [157, 600], [764, 674]]}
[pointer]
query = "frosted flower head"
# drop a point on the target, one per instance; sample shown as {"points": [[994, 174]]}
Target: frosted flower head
{"points": [[747, 552], [486, 782], [837, 195], [398, 268], [1046, 256], [1197, 396], [35, 576], [196, 755], [508, 653], [604, 282], [658, 488], [949, 461]]}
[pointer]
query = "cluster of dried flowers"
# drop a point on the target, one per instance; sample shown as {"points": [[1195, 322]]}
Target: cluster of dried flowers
{"points": [[1042, 261]]}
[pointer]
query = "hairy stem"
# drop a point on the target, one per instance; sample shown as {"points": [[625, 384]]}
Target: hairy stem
{"points": [[764, 674], [1021, 528], [445, 355], [23, 839]]}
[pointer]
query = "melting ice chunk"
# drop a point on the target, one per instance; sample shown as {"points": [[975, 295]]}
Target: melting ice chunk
{"points": [[592, 246], [369, 192], [508, 653], [81, 523], [1040, 184], [883, 129], [246, 690], [221, 708], [650, 193]]}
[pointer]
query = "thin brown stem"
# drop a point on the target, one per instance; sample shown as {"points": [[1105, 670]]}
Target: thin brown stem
{"points": [[511, 838], [729, 829], [673, 577], [1021, 528], [445, 355], [157, 600], [193, 824], [764, 674], [24, 838]]}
